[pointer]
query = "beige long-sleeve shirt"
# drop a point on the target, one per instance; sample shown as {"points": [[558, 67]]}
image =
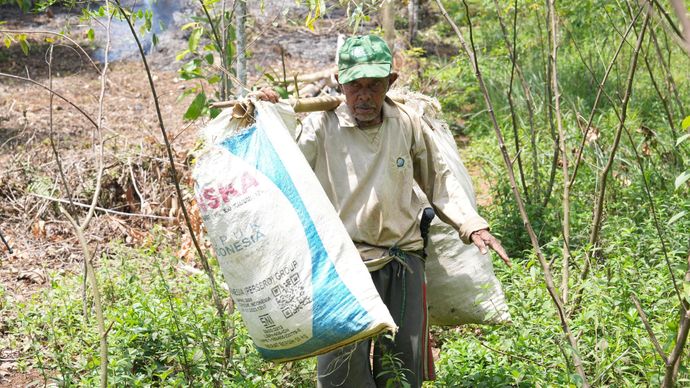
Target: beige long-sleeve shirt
{"points": [[368, 174]]}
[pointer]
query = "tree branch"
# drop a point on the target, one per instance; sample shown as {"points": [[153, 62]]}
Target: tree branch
{"points": [[564, 153], [648, 327], [603, 178], [600, 88]]}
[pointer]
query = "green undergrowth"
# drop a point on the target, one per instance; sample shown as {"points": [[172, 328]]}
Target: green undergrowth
{"points": [[613, 343], [163, 330]]}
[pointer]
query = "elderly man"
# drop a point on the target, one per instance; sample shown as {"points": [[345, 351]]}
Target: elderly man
{"points": [[367, 154]]}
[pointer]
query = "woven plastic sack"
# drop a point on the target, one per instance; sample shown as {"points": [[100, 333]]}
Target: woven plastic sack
{"points": [[461, 285], [292, 270]]}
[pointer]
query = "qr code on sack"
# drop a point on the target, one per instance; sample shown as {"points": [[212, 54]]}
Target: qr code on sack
{"points": [[291, 296]]}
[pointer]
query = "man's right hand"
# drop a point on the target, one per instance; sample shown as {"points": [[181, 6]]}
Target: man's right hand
{"points": [[483, 239], [265, 94]]}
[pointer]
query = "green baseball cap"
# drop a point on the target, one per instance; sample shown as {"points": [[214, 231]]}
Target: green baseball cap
{"points": [[365, 56]]}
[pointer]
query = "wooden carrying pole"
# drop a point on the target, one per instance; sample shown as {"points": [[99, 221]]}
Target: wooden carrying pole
{"points": [[302, 105], [312, 104]]}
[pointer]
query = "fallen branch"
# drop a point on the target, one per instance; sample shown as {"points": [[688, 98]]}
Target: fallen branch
{"points": [[109, 211], [317, 76], [2, 237]]}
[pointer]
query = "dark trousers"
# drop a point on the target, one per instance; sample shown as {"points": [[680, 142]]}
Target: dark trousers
{"points": [[402, 288]]}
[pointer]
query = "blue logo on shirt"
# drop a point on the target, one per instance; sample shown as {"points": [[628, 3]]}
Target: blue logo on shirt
{"points": [[400, 162]]}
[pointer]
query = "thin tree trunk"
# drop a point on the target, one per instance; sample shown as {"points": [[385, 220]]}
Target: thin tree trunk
{"points": [[662, 98], [413, 19], [81, 227], [671, 362], [98, 307], [549, 115], [241, 39], [388, 22], [512, 50], [681, 10], [577, 362], [516, 136], [225, 86], [603, 178], [669, 26], [670, 82], [564, 151]]}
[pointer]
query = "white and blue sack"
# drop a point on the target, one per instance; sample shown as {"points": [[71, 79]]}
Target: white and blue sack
{"points": [[292, 270]]}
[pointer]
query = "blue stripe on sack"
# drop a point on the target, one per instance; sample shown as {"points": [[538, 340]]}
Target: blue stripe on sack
{"points": [[337, 315]]}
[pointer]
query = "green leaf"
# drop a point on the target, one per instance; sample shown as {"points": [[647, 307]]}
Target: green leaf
{"points": [[188, 26], [180, 56], [676, 217], [282, 92], [148, 20], [214, 112], [686, 123], [90, 34], [209, 58], [25, 46], [154, 39], [196, 107], [683, 138], [682, 178], [194, 39], [8, 41]]}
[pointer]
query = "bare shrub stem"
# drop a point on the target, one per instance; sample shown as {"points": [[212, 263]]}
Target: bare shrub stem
{"points": [[173, 170], [470, 51], [603, 177]]}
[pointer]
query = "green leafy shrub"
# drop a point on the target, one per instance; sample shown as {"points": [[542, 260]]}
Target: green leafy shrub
{"points": [[164, 330]]}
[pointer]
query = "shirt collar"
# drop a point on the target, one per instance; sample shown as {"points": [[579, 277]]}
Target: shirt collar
{"points": [[347, 120]]}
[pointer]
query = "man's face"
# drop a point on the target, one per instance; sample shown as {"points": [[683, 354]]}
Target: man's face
{"points": [[365, 97]]}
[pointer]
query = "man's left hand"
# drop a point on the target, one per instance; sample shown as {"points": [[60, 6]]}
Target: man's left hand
{"points": [[265, 94], [483, 239]]}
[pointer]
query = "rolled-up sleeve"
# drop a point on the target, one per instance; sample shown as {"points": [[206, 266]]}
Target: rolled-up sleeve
{"points": [[443, 190]]}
